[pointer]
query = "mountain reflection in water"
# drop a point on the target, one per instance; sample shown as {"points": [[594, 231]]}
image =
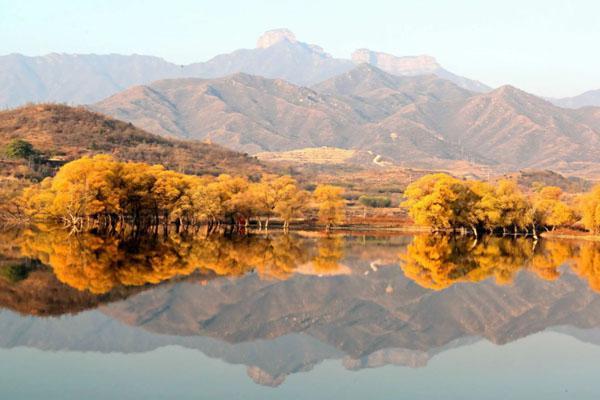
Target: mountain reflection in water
{"points": [[281, 304]]}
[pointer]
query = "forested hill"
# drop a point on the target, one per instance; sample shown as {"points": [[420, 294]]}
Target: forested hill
{"points": [[64, 133]]}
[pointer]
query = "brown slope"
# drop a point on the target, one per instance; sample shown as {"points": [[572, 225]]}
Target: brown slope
{"points": [[255, 114], [383, 90], [240, 111], [514, 128], [74, 132], [419, 121]]}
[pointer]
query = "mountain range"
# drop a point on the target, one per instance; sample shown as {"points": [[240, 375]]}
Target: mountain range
{"points": [[412, 120], [287, 95], [88, 78]]}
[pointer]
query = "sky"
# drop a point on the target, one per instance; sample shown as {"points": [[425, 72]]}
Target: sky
{"points": [[548, 47]]}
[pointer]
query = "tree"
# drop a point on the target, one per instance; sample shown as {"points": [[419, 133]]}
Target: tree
{"points": [[487, 209], [441, 202], [513, 205], [331, 205], [550, 210], [589, 205], [291, 201], [19, 148]]}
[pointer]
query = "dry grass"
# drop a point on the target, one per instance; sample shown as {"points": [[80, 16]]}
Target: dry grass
{"points": [[311, 155], [72, 132]]}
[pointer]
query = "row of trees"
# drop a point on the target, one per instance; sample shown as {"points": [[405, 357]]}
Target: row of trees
{"points": [[444, 202], [108, 194]]}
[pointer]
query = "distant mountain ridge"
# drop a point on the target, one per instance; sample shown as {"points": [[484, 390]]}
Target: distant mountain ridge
{"points": [[409, 119], [414, 66], [88, 78], [587, 99]]}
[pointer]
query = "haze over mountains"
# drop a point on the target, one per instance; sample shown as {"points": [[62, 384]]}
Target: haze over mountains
{"points": [[589, 98], [409, 119], [87, 78]]}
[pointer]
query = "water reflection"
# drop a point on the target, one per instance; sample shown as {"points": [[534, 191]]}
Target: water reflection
{"points": [[281, 304], [98, 264]]}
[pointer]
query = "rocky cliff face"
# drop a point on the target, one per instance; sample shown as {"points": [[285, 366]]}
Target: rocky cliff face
{"points": [[275, 36], [414, 66]]}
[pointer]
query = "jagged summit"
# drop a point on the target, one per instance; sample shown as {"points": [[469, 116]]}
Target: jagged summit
{"points": [[409, 65], [274, 36], [413, 66]]}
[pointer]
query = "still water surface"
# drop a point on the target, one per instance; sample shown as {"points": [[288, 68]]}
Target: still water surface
{"points": [[297, 316]]}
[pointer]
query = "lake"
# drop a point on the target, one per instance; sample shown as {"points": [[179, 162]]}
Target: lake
{"points": [[297, 316]]}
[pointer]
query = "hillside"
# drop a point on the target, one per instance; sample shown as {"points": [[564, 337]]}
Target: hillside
{"points": [[420, 121], [254, 114], [67, 133], [243, 112]]}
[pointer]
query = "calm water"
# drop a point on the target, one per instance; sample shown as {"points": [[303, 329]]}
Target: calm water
{"points": [[297, 316]]}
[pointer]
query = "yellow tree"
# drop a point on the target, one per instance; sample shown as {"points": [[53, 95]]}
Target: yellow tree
{"points": [[513, 205], [291, 202], [269, 195], [550, 211], [82, 189], [486, 210], [442, 202], [589, 205], [331, 205]]}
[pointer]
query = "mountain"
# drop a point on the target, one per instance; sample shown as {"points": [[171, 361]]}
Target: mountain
{"points": [[515, 128], [75, 78], [589, 98], [255, 114], [417, 120], [278, 54], [241, 111], [88, 78], [413, 66], [72, 132]]}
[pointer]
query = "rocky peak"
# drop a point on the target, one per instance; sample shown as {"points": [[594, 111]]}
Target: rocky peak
{"points": [[269, 38], [410, 65]]}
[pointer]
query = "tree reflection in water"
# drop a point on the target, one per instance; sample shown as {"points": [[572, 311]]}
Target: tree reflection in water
{"points": [[97, 264], [438, 262]]}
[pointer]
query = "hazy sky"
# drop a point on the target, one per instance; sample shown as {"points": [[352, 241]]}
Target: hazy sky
{"points": [[548, 47]]}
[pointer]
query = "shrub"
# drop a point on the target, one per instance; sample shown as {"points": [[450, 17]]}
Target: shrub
{"points": [[375, 201], [19, 148]]}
